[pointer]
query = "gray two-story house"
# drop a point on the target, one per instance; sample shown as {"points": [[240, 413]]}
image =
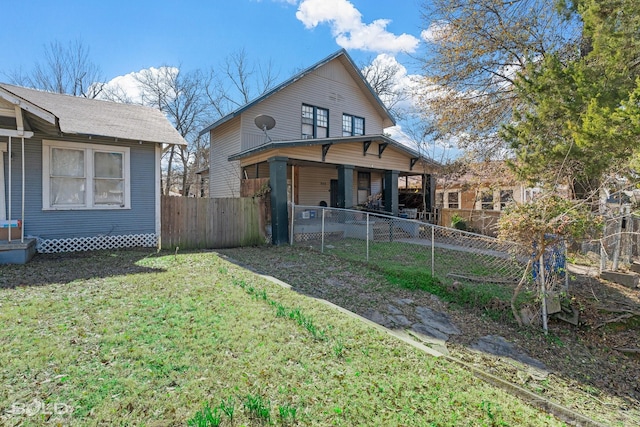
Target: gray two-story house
{"points": [[319, 137]]}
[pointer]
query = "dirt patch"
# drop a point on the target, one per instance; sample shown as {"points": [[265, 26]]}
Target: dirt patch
{"points": [[588, 372]]}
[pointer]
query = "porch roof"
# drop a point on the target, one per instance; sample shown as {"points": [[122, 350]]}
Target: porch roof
{"points": [[383, 139]]}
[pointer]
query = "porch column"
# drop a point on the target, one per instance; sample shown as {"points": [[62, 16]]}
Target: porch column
{"points": [[345, 186], [429, 189], [391, 192], [279, 212]]}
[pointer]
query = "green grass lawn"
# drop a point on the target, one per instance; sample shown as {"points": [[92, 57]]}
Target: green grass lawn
{"points": [[403, 254], [131, 338], [409, 266]]}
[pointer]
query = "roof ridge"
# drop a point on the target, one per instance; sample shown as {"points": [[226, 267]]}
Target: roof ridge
{"points": [[293, 79], [8, 86]]}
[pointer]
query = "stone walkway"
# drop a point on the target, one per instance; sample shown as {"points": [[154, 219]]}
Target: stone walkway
{"points": [[433, 328]]}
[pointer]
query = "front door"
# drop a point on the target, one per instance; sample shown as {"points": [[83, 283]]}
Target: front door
{"points": [[333, 189]]}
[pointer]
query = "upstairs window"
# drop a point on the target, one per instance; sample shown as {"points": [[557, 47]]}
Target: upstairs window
{"points": [[85, 176], [315, 122], [352, 125]]}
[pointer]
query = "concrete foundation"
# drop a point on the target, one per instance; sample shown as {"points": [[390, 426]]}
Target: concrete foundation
{"points": [[17, 252], [624, 279]]}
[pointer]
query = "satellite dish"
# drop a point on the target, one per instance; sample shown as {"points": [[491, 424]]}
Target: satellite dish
{"points": [[265, 123]]}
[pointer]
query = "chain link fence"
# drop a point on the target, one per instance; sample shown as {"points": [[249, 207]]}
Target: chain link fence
{"points": [[620, 244], [378, 238]]}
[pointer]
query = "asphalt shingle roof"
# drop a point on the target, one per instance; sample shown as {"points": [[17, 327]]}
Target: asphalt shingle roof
{"points": [[83, 116]]}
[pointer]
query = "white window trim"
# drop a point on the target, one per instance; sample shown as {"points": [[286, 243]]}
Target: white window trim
{"points": [[89, 150], [447, 198], [480, 202]]}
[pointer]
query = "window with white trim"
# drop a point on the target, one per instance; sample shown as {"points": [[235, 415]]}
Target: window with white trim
{"points": [[315, 122], [506, 197], [84, 176], [486, 199], [352, 125], [452, 200]]}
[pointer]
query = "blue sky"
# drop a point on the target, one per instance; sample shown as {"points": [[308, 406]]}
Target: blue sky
{"points": [[127, 36]]}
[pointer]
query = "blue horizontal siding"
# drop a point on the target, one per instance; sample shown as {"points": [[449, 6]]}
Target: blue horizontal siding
{"points": [[140, 219]]}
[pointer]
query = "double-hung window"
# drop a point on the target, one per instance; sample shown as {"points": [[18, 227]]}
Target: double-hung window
{"points": [[85, 176], [315, 122], [352, 125], [487, 200], [452, 200], [506, 197]]}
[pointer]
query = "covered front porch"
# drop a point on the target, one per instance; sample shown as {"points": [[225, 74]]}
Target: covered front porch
{"points": [[350, 174], [15, 132]]}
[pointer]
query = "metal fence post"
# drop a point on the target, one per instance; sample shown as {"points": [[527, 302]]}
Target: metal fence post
{"points": [[603, 256], [367, 236], [293, 218], [566, 267], [543, 291], [322, 233], [433, 251]]}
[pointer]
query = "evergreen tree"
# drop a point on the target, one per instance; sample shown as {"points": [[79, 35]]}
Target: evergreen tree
{"points": [[580, 115]]}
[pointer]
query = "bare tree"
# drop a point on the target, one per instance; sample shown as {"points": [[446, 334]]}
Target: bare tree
{"points": [[65, 69], [182, 97], [237, 80], [475, 50], [383, 77]]}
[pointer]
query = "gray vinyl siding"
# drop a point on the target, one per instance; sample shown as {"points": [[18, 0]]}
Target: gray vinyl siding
{"points": [[259, 170], [376, 183], [329, 87], [224, 175], [140, 219], [313, 185]]}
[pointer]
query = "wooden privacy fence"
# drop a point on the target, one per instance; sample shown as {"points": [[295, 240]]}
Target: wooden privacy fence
{"points": [[204, 223]]}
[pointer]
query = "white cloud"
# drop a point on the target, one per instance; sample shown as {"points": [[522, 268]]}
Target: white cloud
{"points": [[437, 31], [128, 88], [440, 151], [403, 82], [396, 133], [349, 30]]}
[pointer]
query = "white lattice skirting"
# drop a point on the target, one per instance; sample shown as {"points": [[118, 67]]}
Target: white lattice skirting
{"points": [[49, 246]]}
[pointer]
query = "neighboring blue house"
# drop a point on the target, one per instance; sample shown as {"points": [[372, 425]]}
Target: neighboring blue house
{"points": [[91, 173]]}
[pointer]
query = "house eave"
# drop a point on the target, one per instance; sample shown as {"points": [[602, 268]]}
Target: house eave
{"points": [[381, 139], [28, 106]]}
